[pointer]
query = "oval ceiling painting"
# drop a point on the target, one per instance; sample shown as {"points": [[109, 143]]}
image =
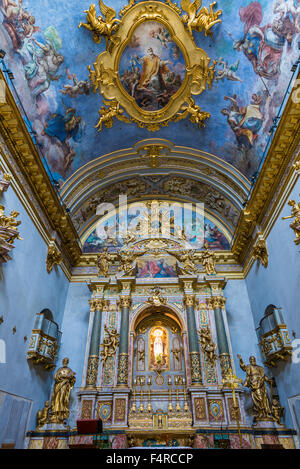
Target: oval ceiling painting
{"points": [[152, 67]]}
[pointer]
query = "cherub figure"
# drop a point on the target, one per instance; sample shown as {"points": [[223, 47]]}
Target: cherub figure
{"points": [[196, 115], [203, 20], [277, 410], [228, 71], [207, 345], [157, 299], [101, 26], [110, 343], [108, 115], [42, 416]]}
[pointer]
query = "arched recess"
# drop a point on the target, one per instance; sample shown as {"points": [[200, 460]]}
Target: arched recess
{"points": [[169, 310], [144, 320], [209, 227]]}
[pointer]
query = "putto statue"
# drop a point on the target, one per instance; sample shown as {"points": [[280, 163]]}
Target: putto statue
{"points": [[64, 382], [277, 410], [187, 259], [256, 380], [110, 343], [200, 20], [207, 344], [101, 26], [42, 416], [208, 259], [157, 299]]}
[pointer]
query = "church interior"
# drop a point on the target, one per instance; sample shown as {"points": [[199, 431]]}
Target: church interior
{"points": [[149, 224]]}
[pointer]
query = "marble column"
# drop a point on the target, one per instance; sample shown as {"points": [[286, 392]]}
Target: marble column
{"points": [[217, 303], [125, 302], [96, 306], [196, 373]]}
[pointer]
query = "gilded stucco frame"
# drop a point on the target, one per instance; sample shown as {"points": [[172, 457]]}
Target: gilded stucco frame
{"points": [[105, 76]]}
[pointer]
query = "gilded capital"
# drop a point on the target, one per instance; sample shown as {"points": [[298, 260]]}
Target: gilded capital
{"points": [[125, 301], [215, 302], [189, 300], [96, 304], [105, 305]]}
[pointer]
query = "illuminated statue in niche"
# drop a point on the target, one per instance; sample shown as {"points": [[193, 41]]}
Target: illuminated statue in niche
{"points": [[158, 348]]}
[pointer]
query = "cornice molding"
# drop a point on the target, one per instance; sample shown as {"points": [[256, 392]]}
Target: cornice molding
{"points": [[22, 149], [125, 161]]}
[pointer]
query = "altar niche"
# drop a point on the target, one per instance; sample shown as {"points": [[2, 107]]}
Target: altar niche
{"points": [[158, 356], [158, 349]]}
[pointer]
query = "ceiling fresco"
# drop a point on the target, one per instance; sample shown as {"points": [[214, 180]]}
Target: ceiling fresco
{"points": [[254, 47], [252, 44]]}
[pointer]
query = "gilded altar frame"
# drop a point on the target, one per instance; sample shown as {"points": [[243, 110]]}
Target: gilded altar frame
{"points": [[199, 72]]}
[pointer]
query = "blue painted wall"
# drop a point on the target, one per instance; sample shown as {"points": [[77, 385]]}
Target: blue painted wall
{"points": [[279, 284], [26, 289], [75, 329]]}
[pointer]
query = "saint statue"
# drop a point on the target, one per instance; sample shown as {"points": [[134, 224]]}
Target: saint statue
{"points": [[153, 70], [255, 380], [158, 345], [103, 262], [64, 382], [208, 260]]}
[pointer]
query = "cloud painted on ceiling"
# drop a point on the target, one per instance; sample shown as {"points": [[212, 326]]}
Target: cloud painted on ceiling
{"points": [[254, 47]]}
